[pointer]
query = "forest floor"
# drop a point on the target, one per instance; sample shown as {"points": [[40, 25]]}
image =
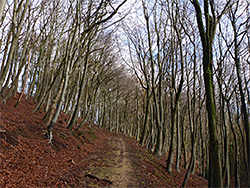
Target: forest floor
{"points": [[88, 157]]}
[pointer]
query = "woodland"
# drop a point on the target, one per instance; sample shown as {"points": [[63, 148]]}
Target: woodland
{"points": [[175, 75]]}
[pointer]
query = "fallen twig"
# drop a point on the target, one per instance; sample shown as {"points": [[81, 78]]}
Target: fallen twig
{"points": [[95, 177]]}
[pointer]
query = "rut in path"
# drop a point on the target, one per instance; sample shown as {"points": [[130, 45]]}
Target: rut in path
{"points": [[124, 175], [118, 167]]}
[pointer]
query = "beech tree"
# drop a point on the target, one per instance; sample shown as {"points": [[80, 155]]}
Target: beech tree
{"points": [[240, 80], [207, 35], [174, 75], [2, 5]]}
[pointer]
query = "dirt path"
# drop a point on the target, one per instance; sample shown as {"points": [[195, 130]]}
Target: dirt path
{"points": [[117, 165], [124, 172]]}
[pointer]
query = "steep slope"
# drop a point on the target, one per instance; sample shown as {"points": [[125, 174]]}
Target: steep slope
{"points": [[88, 157]]}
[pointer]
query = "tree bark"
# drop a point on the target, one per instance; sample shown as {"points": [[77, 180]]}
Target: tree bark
{"points": [[242, 96], [174, 109], [146, 114], [207, 38], [236, 169], [16, 30], [65, 79], [2, 5], [26, 79]]}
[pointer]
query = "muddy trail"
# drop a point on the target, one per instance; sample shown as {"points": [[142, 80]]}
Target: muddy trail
{"points": [[118, 166]]}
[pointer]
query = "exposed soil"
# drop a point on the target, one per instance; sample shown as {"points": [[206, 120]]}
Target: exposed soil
{"points": [[85, 158], [125, 175], [117, 165]]}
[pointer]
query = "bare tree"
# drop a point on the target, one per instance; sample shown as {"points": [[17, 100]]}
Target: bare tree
{"points": [[2, 5], [207, 33]]}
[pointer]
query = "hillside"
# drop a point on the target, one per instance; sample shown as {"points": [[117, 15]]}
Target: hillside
{"points": [[89, 157]]}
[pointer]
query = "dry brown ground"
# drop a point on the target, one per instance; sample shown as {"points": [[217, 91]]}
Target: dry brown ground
{"points": [[89, 157]]}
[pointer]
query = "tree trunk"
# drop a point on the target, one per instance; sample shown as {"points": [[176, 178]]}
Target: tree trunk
{"points": [[15, 34], [174, 108], [26, 79], [236, 169], [59, 105], [242, 97], [215, 173], [2, 5], [79, 97], [48, 117], [145, 124], [207, 38], [178, 141]]}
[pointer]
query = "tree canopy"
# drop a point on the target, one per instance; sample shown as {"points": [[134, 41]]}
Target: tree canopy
{"points": [[173, 74]]}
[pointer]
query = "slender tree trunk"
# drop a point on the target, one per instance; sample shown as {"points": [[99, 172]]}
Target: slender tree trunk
{"points": [[15, 37], [145, 124], [192, 162], [50, 113], [176, 102], [59, 105], [158, 149], [236, 169], [242, 136], [183, 137], [242, 97], [103, 122], [51, 87], [192, 124], [138, 127], [226, 167], [2, 5], [80, 93], [178, 140], [26, 79], [5, 55]]}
